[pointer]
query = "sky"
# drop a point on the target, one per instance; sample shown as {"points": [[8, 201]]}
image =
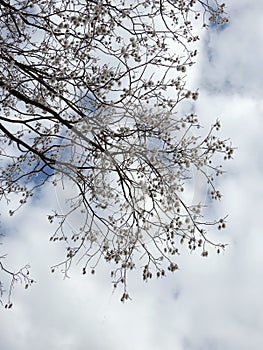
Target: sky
{"points": [[209, 304]]}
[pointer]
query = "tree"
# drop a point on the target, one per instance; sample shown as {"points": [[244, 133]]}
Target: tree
{"points": [[90, 92]]}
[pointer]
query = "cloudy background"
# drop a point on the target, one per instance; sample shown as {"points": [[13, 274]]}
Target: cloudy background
{"points": [[210, 304]]}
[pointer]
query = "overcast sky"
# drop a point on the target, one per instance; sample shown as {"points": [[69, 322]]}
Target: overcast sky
{"points": [[210, 304]]}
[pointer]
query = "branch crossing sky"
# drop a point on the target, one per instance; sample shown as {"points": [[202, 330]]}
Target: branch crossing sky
{"points": [[212, 303]]}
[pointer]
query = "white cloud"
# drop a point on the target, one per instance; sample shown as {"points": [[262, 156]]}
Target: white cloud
{"points": [[233, 56]]}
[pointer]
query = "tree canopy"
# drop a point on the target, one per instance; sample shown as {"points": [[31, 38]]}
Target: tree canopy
{"points": [[90, 92]]}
